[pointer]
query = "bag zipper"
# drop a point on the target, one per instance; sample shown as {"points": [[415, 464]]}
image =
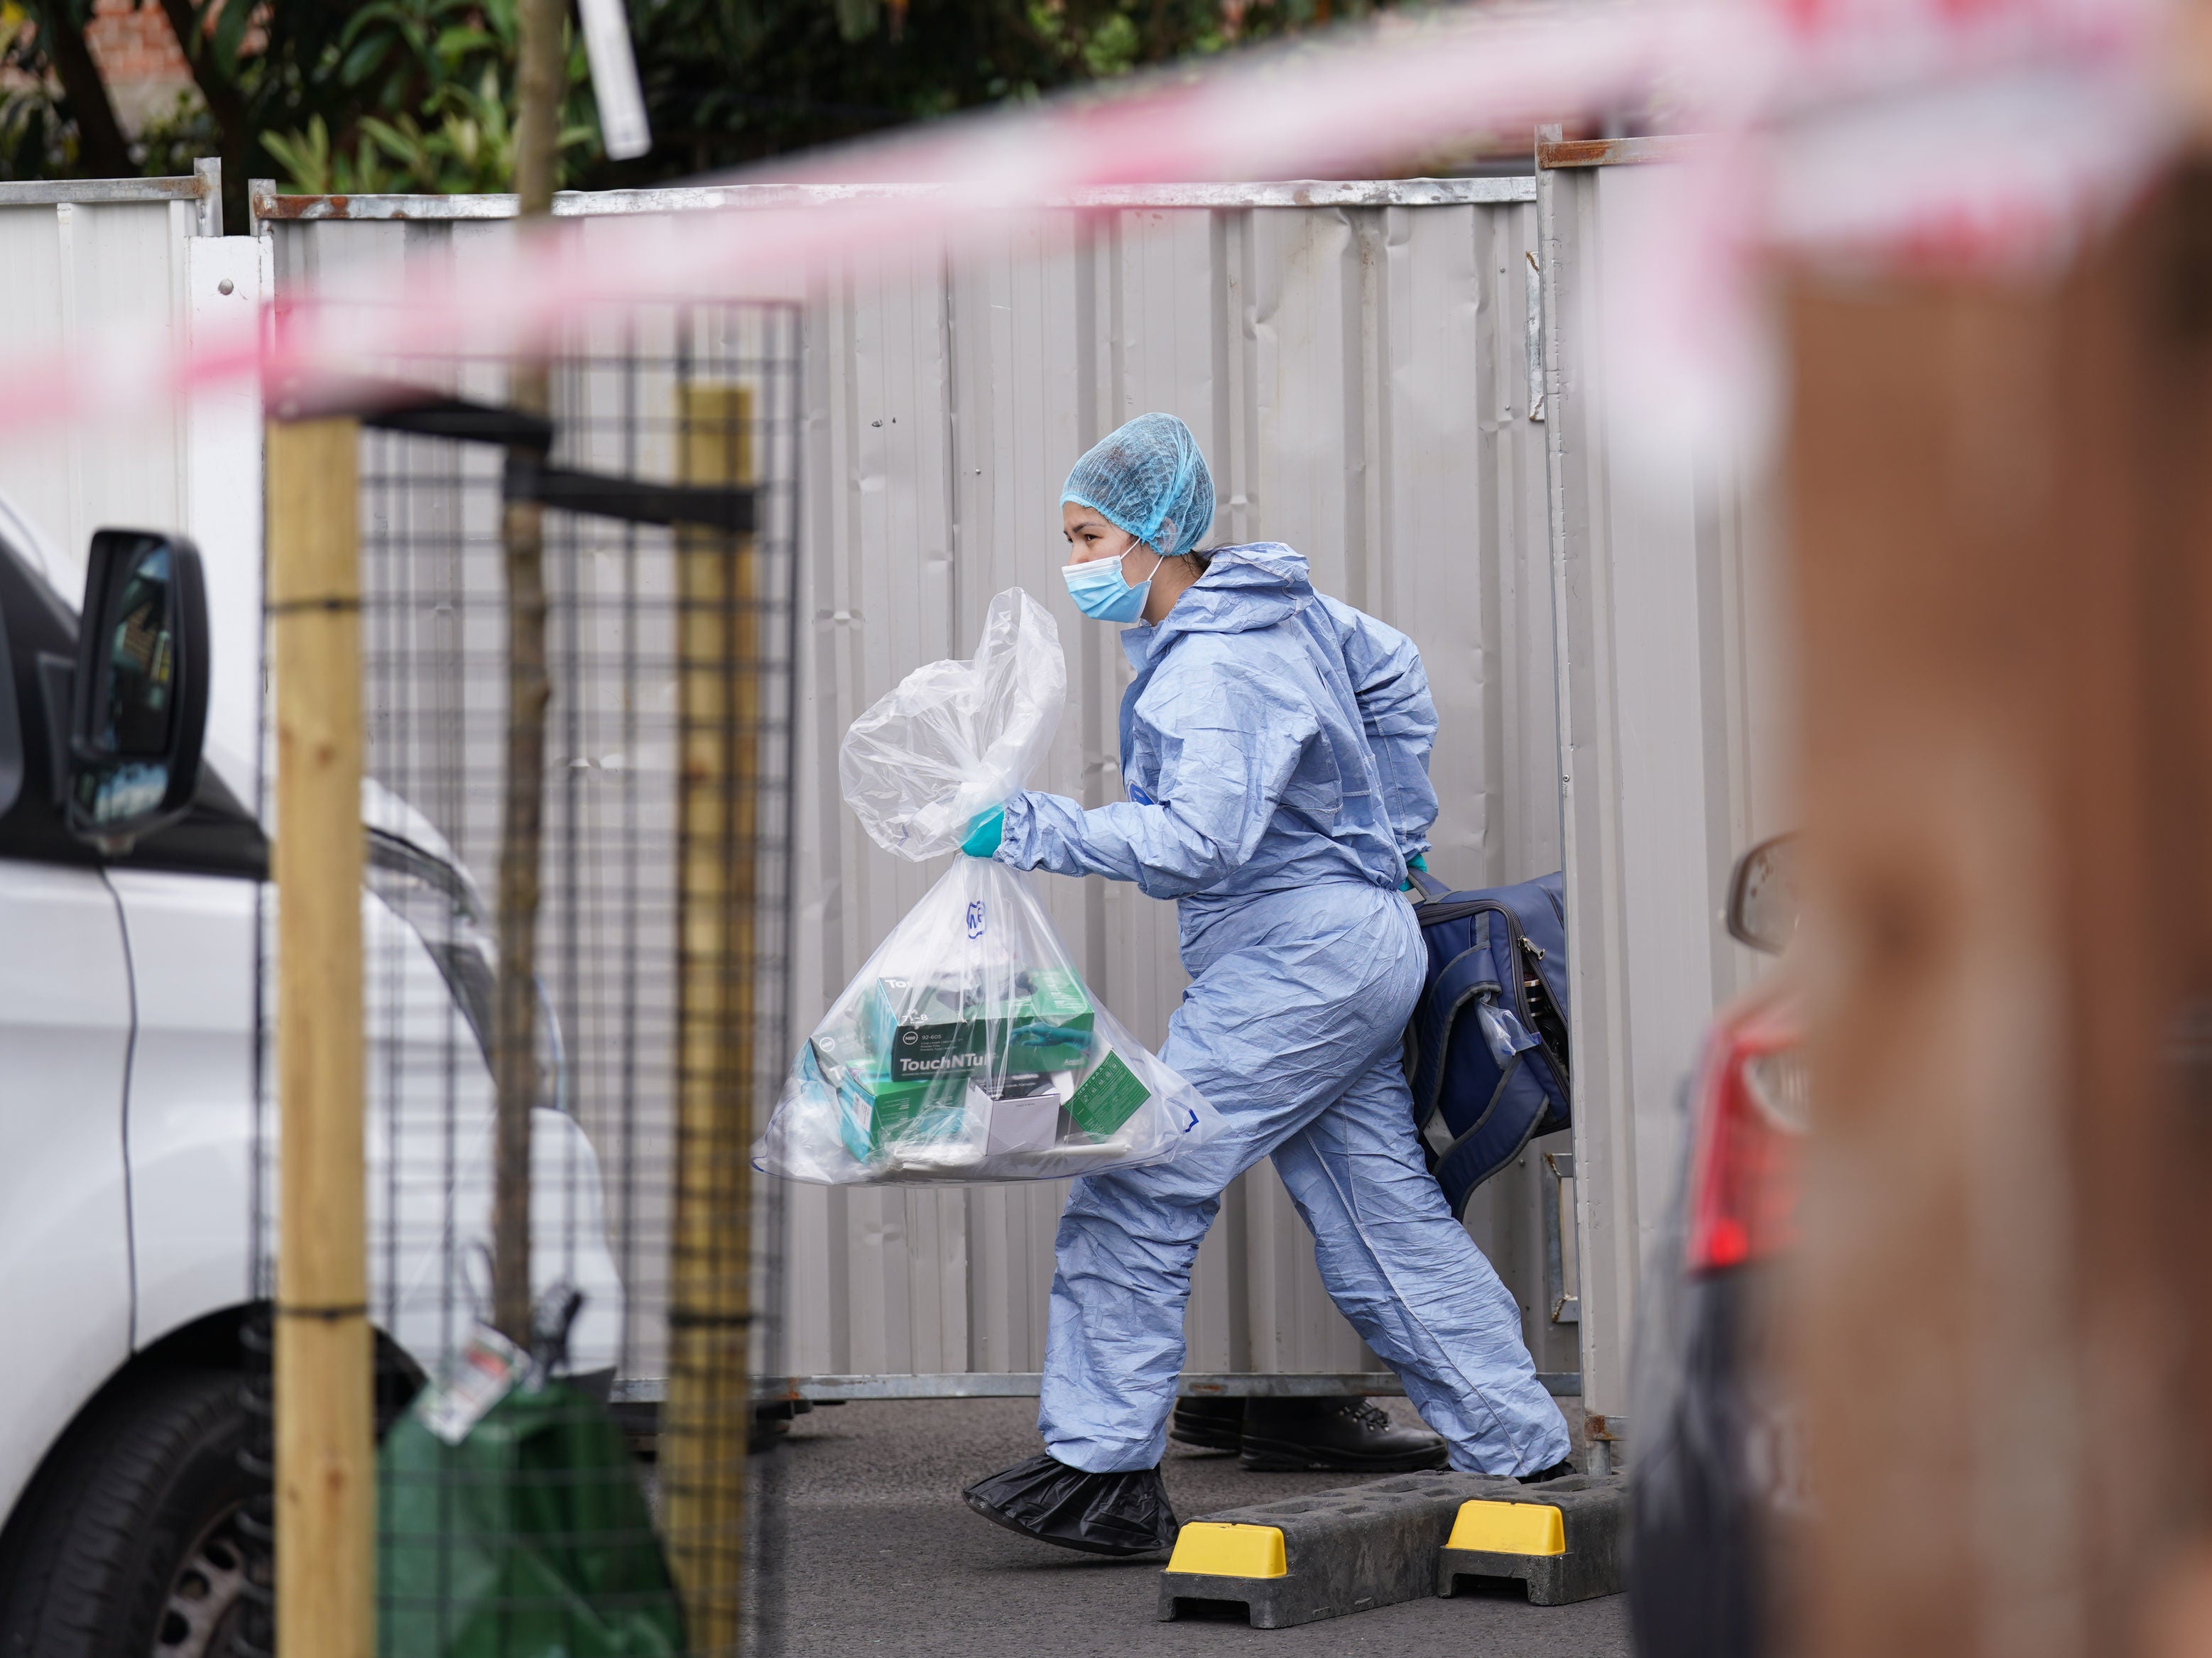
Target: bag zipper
{"points": [[1525, 1009]]}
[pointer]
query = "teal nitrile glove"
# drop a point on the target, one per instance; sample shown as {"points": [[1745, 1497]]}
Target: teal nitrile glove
{"points": [[985, 833], [1418, 862]]}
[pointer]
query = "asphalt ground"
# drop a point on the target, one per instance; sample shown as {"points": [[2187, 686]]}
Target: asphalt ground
{"points": [[879, 1554]]}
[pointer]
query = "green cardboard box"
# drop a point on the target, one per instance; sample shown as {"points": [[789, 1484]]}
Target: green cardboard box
{"points": [[1052, 1021], [926, 1028], [1109, 1097], [878, 1110], [901, 1062]]}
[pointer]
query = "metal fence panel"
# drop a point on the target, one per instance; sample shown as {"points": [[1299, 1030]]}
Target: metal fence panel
{"points": [[1357, 372], [1673, 704], [77, 271], [87, 261]]}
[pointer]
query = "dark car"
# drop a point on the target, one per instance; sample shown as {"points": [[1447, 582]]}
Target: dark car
{"points": [[1719, 1482]]}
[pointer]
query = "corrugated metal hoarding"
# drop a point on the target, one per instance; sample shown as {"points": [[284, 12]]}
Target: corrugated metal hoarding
{"points": [[87, 261], [1355, 359], [81, 261]]}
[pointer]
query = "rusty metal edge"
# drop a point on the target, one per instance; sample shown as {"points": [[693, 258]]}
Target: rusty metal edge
{"points": [[1618, 152], [269, 206]]}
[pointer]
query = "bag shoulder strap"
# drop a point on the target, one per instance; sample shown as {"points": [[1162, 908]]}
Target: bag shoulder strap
{"points": [[1431, 890]]}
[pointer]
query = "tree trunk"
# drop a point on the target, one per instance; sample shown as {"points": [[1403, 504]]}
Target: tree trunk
{"points": [[102, 150], [538, 82], [226, 106]]}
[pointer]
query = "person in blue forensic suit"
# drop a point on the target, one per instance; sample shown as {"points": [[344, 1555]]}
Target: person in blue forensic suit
{"points": [[1274, 748]]}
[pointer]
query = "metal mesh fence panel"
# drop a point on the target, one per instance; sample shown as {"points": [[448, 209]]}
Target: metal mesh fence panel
{"points": [[586, 1489]]}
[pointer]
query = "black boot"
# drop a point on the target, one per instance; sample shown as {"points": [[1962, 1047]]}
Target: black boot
{"points": [[1118, 1514], [1333, 1436], [1211, 1424]]}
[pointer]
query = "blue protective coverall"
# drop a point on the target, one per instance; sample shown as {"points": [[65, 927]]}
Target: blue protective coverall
{"points": [[1274, 746]]}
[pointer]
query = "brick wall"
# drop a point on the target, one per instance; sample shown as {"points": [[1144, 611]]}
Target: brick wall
{"points": [[138, 58]]}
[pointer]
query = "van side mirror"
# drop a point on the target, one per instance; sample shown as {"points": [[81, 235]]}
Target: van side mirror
{"points": [[138, 705], [1762, 906]]}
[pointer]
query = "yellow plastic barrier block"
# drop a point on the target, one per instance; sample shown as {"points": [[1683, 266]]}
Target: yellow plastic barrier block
{"points": [[1204, 1548], [1489, 1527]]}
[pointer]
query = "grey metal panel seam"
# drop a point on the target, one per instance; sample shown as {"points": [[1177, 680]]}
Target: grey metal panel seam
{"points": [[1604, 1190], [1664, 610], [207, 172]]}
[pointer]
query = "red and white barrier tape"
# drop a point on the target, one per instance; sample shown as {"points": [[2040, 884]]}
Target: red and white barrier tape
{"points": [[1953, 131]]}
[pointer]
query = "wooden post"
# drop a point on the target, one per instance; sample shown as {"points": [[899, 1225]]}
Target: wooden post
{"points": [[324, 1449], [708, 1414], [2001, 510]]}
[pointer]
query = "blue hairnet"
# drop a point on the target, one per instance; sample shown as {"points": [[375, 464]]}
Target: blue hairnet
{"points": [[1147, 477]]}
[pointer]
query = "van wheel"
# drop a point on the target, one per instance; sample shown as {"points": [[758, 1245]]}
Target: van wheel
{"points": [[130, 1543]]}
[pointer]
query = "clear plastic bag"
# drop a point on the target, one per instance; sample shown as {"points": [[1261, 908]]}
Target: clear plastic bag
{"points": [[956, 739], [969, 1047], [1503, 1030]]}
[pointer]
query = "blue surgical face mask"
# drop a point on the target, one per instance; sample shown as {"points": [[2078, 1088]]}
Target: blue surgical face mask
{"points": [[1103, 593]]}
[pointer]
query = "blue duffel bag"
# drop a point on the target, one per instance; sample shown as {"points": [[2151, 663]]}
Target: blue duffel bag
{"points": [[1486, 1052]]}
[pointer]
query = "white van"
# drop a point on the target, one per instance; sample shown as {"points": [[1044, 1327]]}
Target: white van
{"points": [[133, 912]]}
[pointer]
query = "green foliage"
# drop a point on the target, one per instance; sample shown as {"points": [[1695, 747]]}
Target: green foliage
{"points": [[309, 164], [419, 94], [36, 141], [431, 88], [172, 139], [1112, 47], [273, 79], [397, 94], [729, 82]]}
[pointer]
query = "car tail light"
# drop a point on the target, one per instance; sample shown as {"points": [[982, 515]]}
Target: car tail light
{"points": [[1752, 1104]]}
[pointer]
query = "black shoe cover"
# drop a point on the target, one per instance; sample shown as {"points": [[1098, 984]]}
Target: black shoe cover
{"points": [[1097, 1513], [1558, 1470]]}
